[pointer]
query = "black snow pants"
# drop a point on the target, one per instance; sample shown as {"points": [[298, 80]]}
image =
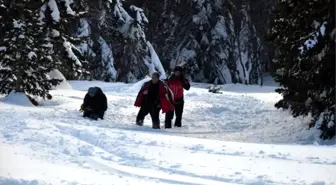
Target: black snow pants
{"points": [[178, 113], [154, 112]]}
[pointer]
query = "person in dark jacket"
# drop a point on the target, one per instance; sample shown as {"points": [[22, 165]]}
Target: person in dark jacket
{"points": [[152, 97], [177, 82], [95, 104]]}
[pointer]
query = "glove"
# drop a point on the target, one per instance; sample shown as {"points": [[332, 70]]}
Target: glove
{"points": [[81, 108]]}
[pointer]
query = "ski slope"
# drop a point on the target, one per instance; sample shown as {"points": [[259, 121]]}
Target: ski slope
{"points": [[237, 137]]}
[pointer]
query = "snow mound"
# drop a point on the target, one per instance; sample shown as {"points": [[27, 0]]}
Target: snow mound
{"points": [[7, 181], [18, 99], [137, 86], [58, 75]]}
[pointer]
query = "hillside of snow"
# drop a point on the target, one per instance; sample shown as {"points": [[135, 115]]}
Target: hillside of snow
{"points": [[236, 137]]}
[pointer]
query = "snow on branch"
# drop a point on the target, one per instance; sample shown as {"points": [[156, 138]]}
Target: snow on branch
{"points": [[31, 55], [17, 24], [311, 40], [155, 62], [3, 48], [55, 11], [67, 4], [71, 54], [140, 16]]}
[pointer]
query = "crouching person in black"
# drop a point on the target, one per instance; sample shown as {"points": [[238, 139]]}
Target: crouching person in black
{"points": [[95, 104]]}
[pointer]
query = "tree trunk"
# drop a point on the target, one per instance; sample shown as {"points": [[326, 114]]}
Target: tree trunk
{"points": [[18, 84]]}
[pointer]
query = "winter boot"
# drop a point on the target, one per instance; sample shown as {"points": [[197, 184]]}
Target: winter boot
{"points": [[156, 126], [168, 125], [139, 123]]}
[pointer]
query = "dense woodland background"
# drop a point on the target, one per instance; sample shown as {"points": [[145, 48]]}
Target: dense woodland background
{"points": [[117, 41]]}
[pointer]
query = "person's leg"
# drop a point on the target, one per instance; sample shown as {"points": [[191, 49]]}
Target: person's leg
{"points": [[168, 119], [141, 115], [94, 116], [86, 114], [155, 114], [178, 113], [91, 115], [101, 114]]}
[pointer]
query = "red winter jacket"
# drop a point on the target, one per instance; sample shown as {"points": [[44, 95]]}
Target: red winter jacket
{"points": [[177, 84], [165, 102]]}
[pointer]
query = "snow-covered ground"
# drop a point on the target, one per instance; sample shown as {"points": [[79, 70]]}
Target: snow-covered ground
{"points": [[237, 137]]}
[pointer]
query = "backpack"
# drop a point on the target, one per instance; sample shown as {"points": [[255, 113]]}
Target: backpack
{"points": [[170, 94]]}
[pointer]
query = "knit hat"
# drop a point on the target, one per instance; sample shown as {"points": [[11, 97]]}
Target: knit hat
{"points": [[92, 91], [156, 74]]}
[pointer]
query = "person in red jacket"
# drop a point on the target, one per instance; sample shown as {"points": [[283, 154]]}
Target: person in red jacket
{"points": [[177, 83], [153, 96]]}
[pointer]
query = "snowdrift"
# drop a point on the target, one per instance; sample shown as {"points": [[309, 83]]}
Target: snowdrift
{"points": [[58, 75], [135, 88], [18, 99]]}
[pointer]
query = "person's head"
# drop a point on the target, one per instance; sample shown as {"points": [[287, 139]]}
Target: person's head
{"points": [[178, 71], [92, 91], [155, 77]]}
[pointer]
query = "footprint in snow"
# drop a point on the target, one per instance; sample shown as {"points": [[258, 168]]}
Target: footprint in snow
{"points": [[86, 150]]}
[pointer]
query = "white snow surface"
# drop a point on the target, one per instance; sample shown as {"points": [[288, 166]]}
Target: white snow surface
{"points": [[237, 137]]}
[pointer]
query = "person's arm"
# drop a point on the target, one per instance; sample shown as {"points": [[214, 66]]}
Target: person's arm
{"points": [[104, 106], [141, 93], [85, 106], [86, 101], [186, 84]]}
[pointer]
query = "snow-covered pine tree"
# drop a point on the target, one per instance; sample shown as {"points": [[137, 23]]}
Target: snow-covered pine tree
{"points": [[26, 55], [132, 65], [61, 19], [103, 40], [303, 34], [117, 46], [3, 9], [247, 44]]}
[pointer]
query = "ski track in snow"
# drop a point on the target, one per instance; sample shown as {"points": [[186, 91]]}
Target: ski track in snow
{"points": [[247, 141]]}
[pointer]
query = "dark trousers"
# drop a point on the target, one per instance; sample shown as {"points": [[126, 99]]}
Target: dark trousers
{"points": [[94, 114], [178, 113], [154, 112]]}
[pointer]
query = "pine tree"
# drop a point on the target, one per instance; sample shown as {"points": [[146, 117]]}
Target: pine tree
{"points": [[103, 40], [26, 55], [303, 34], [117, 47], [61, 18], [135, 51]]}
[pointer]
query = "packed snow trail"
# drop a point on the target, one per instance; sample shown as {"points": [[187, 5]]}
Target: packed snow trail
{"points": [[241, 113], [53, 144]]}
